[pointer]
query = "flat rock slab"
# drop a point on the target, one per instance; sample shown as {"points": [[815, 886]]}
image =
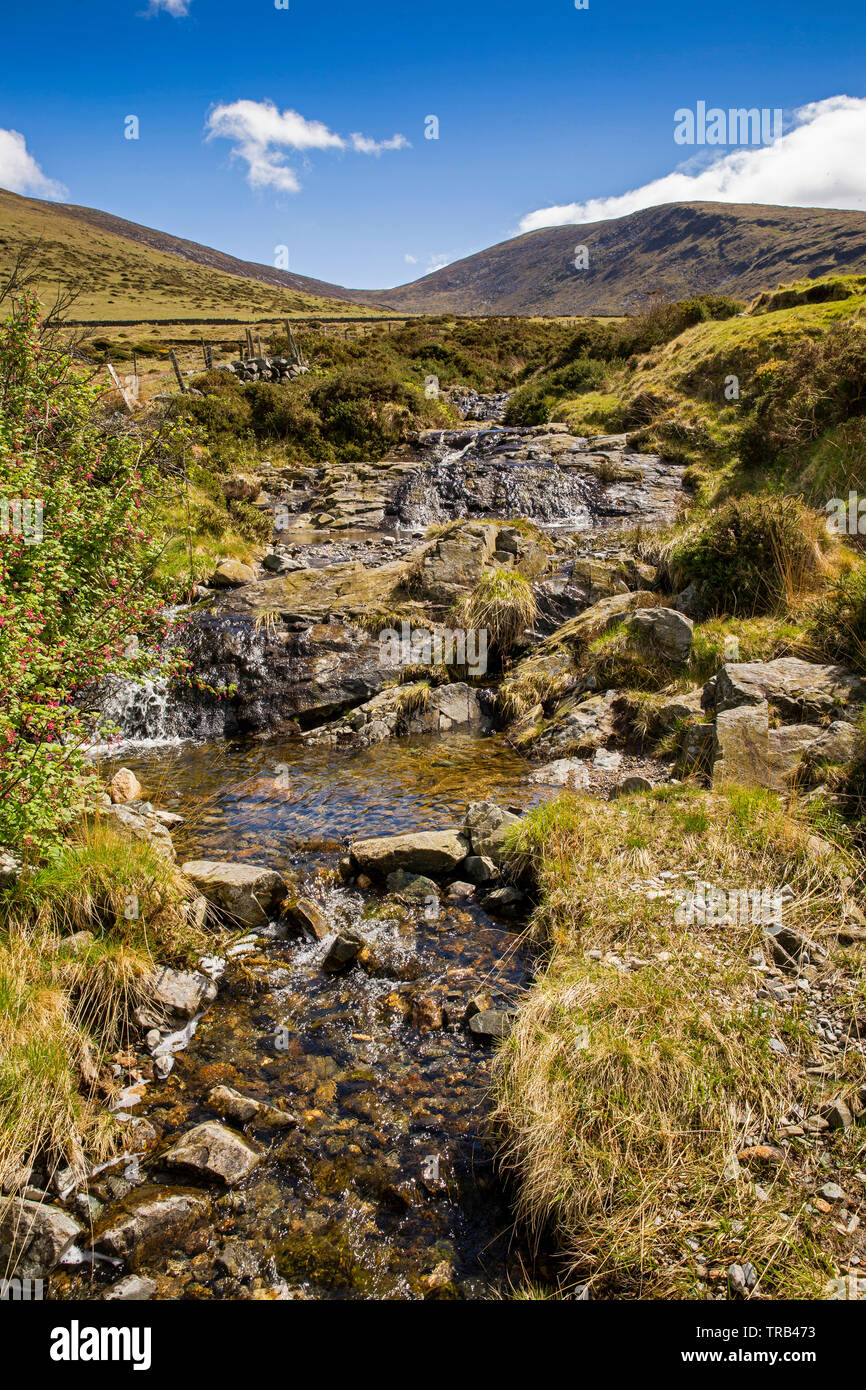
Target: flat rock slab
{"points": [[752, 754], [563, 772], [249, 894], [212, 1150], [421, 852], [797, 689]]}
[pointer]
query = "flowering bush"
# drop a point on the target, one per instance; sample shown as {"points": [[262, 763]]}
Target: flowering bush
{"points": [[73, 588]]}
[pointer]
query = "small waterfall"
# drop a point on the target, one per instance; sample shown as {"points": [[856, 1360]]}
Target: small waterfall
{"points": [[139, 709]]}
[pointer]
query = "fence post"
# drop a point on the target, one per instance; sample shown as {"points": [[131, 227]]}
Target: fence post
{"points": [[173, 355]]}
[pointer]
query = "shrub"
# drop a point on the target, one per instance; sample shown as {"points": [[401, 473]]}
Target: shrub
{"points": [[838, 627], [71, 599], [752, 554]]}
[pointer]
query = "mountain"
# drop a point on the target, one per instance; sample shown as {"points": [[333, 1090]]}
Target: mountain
{"points": [[136, 273], [678, 249], [126, 271]]}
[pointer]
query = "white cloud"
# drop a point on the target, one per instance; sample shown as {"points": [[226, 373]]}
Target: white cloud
{"points": [[818, 163], [19, 170], [261, 134], [437, 263], [410, 260], [177, 8]]}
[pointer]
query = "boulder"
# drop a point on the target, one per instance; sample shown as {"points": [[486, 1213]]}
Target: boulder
{"points": [[487, 828], [247, 894], [750, 753], [627, 786], [231, 574], [214, 1151], [666, 631], [798, 690], [10, 868], [423, 851], [34, 1237], [124, 786]]}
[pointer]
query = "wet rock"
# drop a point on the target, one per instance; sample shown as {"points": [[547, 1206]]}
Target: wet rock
{"points": [[666, 631], [248, 894], [414, 887], [458, 891], [133, 1288], [229, 1102], [425, 852], [427, 1014], [342, 952], [563, 772], [124, 786], [487, 827], [213, 1151], [390, 960], [231, 574], [311, 919], [237, 1260], [508, 903], [34, 1236], [147, 1219], [479, 869], [479, 1003], [490, 1024]]}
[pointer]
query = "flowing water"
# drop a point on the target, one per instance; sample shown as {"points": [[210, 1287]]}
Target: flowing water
{"points": [[388, 1175]]}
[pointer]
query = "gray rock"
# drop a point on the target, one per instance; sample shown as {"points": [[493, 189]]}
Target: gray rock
{"points": [[668, 632], [752, 754], [796, 689], [563, 772], [229, 1102], [425, 851], [832, 1192], [34, 1236], [491, 1023], [211, 1150], [459, 891], [479, 869], [247, 894], [10, 868], [178, 995], [488, 828], [142, 825], [134, 1288]]}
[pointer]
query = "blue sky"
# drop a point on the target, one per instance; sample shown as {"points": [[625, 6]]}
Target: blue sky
{"points": [[539, 105]]}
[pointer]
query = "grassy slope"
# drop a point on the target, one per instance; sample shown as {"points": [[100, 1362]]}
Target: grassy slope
{"points": [[122, 278]]}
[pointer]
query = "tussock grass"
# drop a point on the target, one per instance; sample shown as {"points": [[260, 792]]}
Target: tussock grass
{"points": [[626, 1088], [502, 604], [67, 1000]]}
